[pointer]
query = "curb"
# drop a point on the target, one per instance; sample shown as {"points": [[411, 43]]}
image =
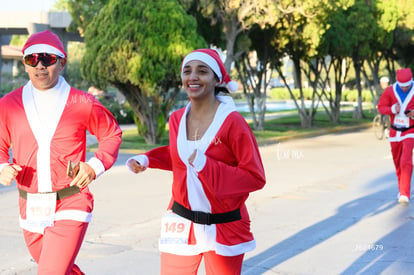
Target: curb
{"points": [[275, 140], [337, 129]]}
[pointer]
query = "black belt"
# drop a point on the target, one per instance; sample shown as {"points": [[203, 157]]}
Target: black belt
{"points": [[60, 194], [402, 129], [206, 218]]}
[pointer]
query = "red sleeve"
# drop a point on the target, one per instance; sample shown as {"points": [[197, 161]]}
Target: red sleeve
{"points": [[160, 158], [5, 132], [245, 175], [104, 126], [386, 101]]}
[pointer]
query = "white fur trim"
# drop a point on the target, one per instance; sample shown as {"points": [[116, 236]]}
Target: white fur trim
{"points": [[44, 130], [199, 161], [97, 166], [3, 165], [404, 84], [232, 250], [206, 58], [399, 138], [43, 48], [232, 86], [74, 215], [220, 249], [393, 108]]}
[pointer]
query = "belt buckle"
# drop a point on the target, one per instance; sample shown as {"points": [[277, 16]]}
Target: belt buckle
{"points": [[46, 192], [201, 217], [196, 217]]}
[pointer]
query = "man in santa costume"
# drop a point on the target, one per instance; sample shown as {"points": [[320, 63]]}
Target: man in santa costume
{"points": [[216, 164], [45, 123], [397, 101]]}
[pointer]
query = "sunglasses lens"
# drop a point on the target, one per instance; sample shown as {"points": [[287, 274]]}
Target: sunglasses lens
{"points": [[46, 59], [31, 60]]}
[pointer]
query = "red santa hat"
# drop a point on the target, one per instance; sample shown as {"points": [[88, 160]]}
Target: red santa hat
{"points": [[404, 77], [213, 60], [44, 42]]}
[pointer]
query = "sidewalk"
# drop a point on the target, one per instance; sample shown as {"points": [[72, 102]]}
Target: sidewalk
{"points": [[329, 207]]}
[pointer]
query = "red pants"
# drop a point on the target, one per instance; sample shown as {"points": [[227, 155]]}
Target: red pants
{"points": [[188, 265], [402, 153], [55, 251]]}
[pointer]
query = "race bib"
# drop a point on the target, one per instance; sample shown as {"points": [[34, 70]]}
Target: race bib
{"points": [[401, 121], [40, 209], [174, 229]]}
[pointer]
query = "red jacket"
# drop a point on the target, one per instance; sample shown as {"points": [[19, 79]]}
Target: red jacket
{"points": [[385, 106], [80, 112], [232, 170]]}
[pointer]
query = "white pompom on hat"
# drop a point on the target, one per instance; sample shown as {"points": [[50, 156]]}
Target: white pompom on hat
{"points": [[44, 42], [213, 60], [404, 77]]}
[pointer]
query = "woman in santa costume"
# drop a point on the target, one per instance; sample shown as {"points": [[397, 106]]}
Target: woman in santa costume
{"points": [[397, 101], [45, 123], [216, 164]]}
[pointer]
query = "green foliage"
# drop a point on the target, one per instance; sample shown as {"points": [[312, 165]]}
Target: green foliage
{"points": [[207, 25], [139, 42], [81, 11], [347, 95], [138, 46], [352, 96], [18, 40], [121, 111], [336, 41], [73, 74]]}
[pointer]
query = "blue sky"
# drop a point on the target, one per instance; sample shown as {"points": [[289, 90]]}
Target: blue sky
{"points": [[26, 5]]}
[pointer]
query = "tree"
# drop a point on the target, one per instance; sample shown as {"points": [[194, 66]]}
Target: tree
{"points": [[299, 36], [81, 11], [254, 69], [386, 16], [138, 46], [336, 44], [227, 24], [361, 19], [231, 18]]}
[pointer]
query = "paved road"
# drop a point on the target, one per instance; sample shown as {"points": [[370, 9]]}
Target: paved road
{"points": [[329, 207]]}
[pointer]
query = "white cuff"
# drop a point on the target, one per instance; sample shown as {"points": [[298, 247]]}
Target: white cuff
{"points": [[199, 161], [3, 165], [393, 109], [97, 166]]}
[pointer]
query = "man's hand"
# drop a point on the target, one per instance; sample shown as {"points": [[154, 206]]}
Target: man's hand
{"points": [[9, 174], [135, 166], [84, 177], [409, 113]]}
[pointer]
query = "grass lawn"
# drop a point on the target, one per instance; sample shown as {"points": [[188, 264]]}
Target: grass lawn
{"points": [[276, 129]]}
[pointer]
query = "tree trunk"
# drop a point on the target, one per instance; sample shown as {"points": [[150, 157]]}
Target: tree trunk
{"points": [[358, 113], [231, 36], [261, 108], [149, 112]]}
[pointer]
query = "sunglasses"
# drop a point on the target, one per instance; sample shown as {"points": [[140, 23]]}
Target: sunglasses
{"points": [[46, 59]]}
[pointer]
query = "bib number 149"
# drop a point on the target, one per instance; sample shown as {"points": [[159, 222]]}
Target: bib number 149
{"points": [[174, 229]]}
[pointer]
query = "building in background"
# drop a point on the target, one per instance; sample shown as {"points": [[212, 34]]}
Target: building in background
{"points": [[11, 60]]}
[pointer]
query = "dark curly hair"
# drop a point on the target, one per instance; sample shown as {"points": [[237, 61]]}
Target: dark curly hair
{"points": [[220, 89]]}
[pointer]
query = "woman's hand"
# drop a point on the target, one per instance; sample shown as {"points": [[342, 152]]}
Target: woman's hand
{"points": [[135, 166], [192, 157]]}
